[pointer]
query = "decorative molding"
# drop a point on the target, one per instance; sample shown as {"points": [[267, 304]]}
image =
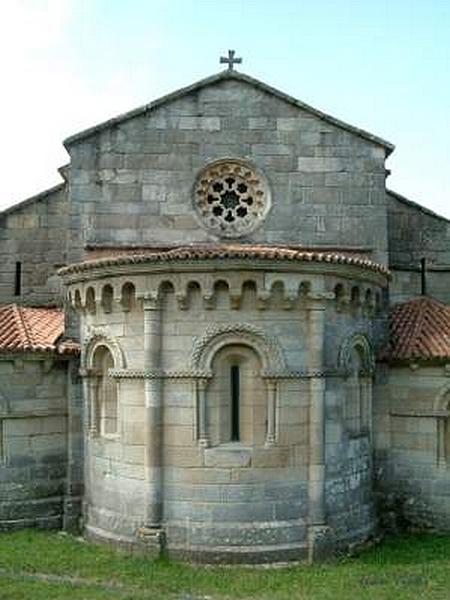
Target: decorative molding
{"points": [[159, 374], [99, 336], [442, 401], [32, 413], [231, 197], [436, 414], [320, 296], [5, 404], [303, 374], [216, 337], [357, 340], [201, 374]]}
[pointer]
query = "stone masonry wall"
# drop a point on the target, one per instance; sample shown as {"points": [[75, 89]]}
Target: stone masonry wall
{"points": [[349, 493], [225, 500], [132, 183], [412, 446], [33, 442], [34, 234], [416, 233]]}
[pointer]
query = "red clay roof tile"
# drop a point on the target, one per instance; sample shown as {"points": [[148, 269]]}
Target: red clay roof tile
{"points": [[31, 329], [419, 329], [221, 252]]}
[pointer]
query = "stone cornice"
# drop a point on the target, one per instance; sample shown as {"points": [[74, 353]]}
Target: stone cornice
{"points": [[225, 256]]}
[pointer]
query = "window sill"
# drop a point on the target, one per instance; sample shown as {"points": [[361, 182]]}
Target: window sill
{"points": [[109, 437], [230, 454]]}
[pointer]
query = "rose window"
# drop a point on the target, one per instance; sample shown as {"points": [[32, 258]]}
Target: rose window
{"points": [[231, 198]]}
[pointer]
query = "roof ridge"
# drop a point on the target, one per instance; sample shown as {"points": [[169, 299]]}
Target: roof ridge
{"points": [[23, 329], [419, 329], [35, 329], [413, 204], [35, 198]]}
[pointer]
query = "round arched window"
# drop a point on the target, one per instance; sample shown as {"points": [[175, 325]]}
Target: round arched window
{"points": [[231, 198]]}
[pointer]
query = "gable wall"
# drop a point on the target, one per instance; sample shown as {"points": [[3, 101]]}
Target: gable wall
{"points": [[414, 234], [34, 234], [131, 183]]}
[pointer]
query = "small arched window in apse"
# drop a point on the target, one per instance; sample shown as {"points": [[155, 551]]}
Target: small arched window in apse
{"points": [[237, 397], [105, 396], [354, 394]]}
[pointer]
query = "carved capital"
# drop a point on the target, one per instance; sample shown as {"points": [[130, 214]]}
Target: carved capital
{"points": [[151, 300]]}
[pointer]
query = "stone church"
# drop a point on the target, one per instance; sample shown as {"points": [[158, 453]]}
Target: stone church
{"points": [[222, 337]]}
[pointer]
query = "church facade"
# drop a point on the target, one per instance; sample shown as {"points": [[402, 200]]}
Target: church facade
{"points": [[255, 357]]}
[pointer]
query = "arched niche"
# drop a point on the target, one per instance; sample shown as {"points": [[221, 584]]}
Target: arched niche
{"points": [[442, 408], [237, 397], [240, 364], [267, 348], [107, 298], [4, 404], [128, 296], [104, 390], [356, 362], [97, 338], [99, 355], [360, 342]]}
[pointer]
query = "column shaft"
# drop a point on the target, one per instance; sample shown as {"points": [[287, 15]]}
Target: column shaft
{"points": [[316, 488], [203, 439], [271, 412], [153, 412]]}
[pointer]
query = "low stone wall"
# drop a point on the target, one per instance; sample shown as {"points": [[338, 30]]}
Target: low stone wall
{"points": [[413, 447], [33, 442]]}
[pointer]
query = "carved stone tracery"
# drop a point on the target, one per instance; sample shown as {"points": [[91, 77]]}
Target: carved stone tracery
{"points": [[231, 198]]}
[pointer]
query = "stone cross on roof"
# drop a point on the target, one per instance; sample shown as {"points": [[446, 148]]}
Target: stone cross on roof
{"points": [[230, 60]]}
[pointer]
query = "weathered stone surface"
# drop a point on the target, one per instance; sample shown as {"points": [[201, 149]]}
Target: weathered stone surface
{"points": [[170, 463]]}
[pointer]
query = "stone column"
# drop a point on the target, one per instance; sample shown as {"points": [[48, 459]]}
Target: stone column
{"points": [[153, 410], [271, 412], [316, 485], [366, 409], [203, 438], [90, 384]]}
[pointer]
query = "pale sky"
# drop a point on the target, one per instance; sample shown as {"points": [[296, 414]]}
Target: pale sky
{"points": [[382, 65]]}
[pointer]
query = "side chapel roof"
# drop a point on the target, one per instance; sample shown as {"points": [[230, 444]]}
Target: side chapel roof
{"points": [[24, 329], [237, 76], [419, 329]]}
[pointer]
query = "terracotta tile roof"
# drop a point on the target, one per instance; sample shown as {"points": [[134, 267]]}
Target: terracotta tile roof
{"points": [[221, 252], [31, 329], [419, 329]]}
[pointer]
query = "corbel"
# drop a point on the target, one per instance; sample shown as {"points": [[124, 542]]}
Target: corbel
{"points": [[263, 297]]}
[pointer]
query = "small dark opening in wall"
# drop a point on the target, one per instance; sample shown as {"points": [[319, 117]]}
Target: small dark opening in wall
{"points": [[18, 279], [235, 385], [423, 276]]}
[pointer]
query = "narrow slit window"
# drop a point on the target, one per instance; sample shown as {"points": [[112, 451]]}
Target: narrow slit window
{"points": [[235, 392], [18, 279]]}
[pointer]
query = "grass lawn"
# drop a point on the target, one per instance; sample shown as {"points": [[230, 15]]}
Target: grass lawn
{"points": [[38, 565]]}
